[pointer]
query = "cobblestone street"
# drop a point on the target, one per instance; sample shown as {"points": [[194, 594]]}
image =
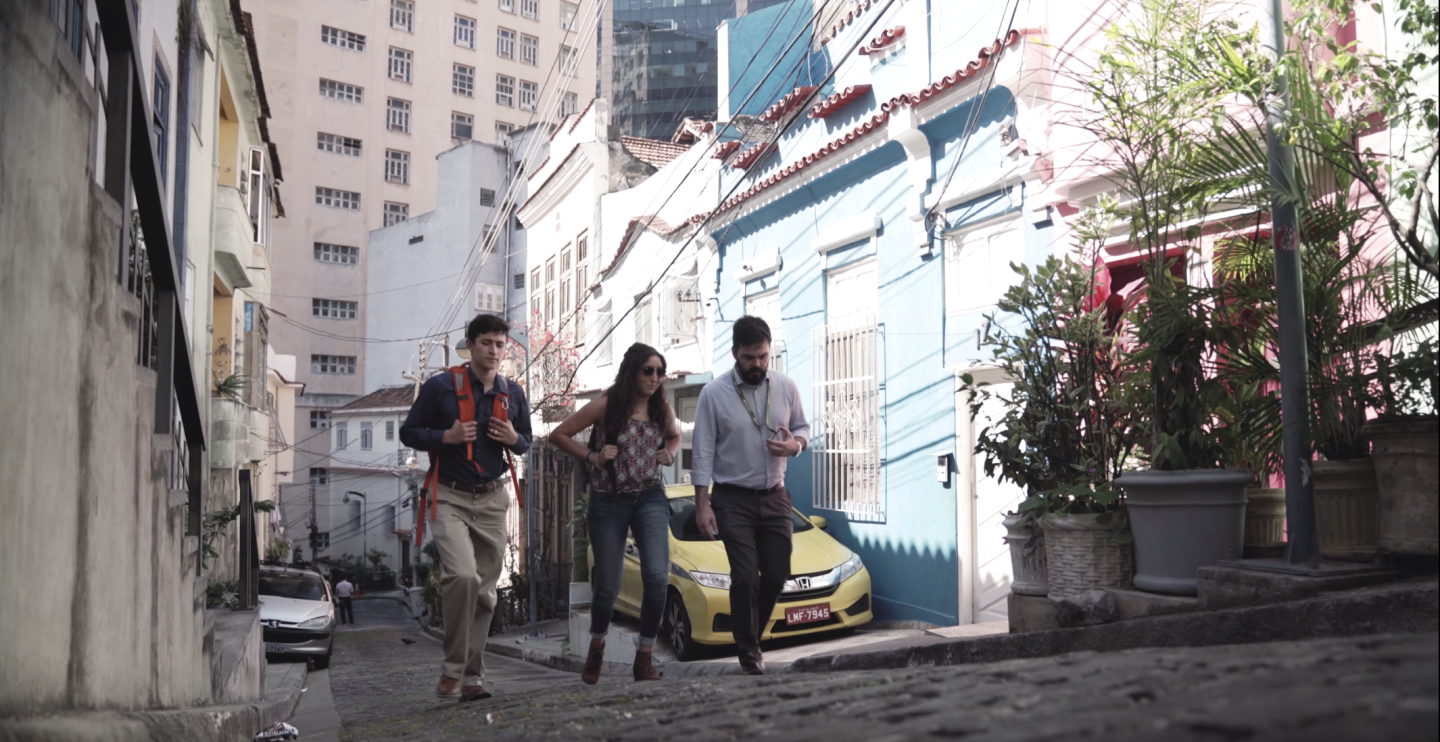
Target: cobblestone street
{"points": [[1371, 688]]}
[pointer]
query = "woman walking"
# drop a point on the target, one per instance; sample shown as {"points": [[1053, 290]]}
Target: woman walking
{"points": [[636, 435]]}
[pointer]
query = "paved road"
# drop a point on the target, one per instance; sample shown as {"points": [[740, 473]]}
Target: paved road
{"points": [[1375, 688]]}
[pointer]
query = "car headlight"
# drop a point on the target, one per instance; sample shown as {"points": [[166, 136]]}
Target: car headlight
{"points": [[317, 622], [710, 579], [849, 568]]}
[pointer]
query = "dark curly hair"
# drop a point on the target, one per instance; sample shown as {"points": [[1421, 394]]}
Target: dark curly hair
{"points": [[620, 399]]}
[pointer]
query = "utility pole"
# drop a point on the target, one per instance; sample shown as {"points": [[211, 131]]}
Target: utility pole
{"points": [[1302, 546]]}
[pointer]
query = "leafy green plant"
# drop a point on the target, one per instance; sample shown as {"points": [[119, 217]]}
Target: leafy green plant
{"points": [[222, 594], [233, 386], [1063, 434], [217, 522], [376, 557]]}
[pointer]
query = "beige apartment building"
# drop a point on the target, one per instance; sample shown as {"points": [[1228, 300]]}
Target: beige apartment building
{"points": [[365, 94]]}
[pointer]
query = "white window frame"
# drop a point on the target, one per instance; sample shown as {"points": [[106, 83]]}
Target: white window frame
{"points": [[531, 92], [367, 436], [402, 15], [319, 419], [977, 263], [340, 145], [402, 63], [342, 435], [530, 9], [334, 309], [397, 115], [569, 104], [258, 197], [507, 6], [321, 363], [568, 59], [766, 306], [490, 297], [458, 119], [845, 358], [396, 212], [529, 50], [326, 252], [341, 91], [504, 43], [504, 83], [336, 198], [568, 13], [397, 167], [339, 37], [462, 80], [465, 32], [502, 133]]}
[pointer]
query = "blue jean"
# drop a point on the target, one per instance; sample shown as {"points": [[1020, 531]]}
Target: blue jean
{"points": [[647, 514]]}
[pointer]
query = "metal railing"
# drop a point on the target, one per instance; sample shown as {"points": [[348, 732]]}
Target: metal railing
{"points": [[846, 448]]}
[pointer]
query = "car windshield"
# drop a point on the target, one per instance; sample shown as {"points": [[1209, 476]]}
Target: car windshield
{"points": [[292, 585], [682, 520]]}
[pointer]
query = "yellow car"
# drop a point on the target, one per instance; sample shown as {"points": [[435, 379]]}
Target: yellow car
{"points": [[829, 587]]}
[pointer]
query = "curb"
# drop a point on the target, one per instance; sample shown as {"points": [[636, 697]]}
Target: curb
{"points": [[229, 723], [1405, 607]]}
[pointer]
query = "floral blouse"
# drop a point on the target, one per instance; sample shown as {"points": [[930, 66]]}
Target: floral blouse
{"points": [[636, 467]]}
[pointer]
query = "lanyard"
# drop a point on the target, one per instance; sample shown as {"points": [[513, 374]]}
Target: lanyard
{"points": [[750, 409]]}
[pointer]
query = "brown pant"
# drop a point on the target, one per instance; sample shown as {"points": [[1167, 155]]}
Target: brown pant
{"points": [[469, 531], [756, 530]]}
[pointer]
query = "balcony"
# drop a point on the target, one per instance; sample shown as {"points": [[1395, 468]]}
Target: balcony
{"points": [[234, 238]]}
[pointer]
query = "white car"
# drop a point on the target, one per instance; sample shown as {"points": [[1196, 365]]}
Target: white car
{"points": [[297, 614]]}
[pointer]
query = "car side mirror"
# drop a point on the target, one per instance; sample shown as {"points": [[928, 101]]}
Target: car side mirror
{"points": [[819, 521]]}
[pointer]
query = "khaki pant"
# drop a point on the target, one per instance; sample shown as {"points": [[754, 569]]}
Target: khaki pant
{"points": [[469, 531]]}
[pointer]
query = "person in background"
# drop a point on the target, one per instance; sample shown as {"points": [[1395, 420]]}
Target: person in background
{"points": [[633, 435], [748, 422], [344, 597]]}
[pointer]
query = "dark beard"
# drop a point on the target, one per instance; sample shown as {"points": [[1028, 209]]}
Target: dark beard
{"points": [[754, 376]]}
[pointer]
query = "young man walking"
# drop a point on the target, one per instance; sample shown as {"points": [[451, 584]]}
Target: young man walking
{"points": [[344, 595], [472, 495], [748, 423]]}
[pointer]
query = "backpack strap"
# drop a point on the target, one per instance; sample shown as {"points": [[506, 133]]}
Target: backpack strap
{"points": [[501, 408]]}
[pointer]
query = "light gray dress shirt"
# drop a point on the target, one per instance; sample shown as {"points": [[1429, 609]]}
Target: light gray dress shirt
{"points": [[727, 447]]}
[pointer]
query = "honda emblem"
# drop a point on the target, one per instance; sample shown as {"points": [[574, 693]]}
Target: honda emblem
{"points": [[802, 583]]}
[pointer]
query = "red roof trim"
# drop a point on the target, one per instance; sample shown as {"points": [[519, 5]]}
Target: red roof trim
{"points": [[556, 171], [839, 100], [579, 116], [986, 54], [724, 149], [886, 38], [787, 103], [847, 19], [750, 156]]}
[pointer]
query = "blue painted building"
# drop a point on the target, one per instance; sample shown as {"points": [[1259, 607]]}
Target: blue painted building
{"points": [[871, 218]]}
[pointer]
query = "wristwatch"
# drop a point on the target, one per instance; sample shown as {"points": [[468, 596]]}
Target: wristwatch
{"points": [[804, 444]]}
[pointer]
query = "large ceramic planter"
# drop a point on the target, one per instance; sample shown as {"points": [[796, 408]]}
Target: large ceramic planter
{"points": [[1183, 520], [1081, 554], [1027, 556], [1407, 456], [1347, 509], [1264, 521]]}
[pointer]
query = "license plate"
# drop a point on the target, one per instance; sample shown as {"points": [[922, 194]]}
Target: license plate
{"points": [[807, 614], [276, 649]]}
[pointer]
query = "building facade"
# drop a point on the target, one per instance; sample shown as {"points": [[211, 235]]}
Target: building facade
{"points": [[367, 95]]}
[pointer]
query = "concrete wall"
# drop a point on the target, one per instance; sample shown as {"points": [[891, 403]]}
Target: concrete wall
{"points": [[100, 612]]}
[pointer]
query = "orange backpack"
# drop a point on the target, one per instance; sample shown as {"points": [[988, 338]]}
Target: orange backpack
{"points": [[465, 401]]}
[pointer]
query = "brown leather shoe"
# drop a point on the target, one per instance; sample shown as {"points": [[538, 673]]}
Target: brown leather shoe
{"points": [[474, 693], [448, 688], [753, 668], [645, 666], [593, 662]]}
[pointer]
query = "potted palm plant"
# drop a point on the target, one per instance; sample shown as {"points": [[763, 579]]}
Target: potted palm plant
{"points": [[1061, 434]]}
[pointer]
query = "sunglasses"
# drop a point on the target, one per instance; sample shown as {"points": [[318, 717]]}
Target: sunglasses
{"points": [[652, 371]]}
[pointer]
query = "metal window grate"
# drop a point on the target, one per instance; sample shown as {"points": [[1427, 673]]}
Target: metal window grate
{"points": [[846, 450]]}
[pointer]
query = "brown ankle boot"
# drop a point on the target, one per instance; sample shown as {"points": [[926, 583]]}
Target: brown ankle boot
{"points": [[593, 661], [645, 666]]}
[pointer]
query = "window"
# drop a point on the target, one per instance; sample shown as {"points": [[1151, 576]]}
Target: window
{"points": [[342, 435], [333, 308], [490, 297], [326, 364], [396, 213], [397, 117], [567, 61], [519, 280], [462, 80], [605, 354], [390, 432], [462, 126], [258, 202], [319, 420], [505, 43], [766, 306], [644, 323], [550, 291], [529, 95], [530, 8], [400, 64], [505, 90], [387, 519], [529, 50], [367, 436], [342, 91], [161, 116], [402, 15], [502, 133], [337, 199], [337, 144], [507, 5], [487, 197], [343, 254], [568, 11], [397, 167], [319, 475], [846, 451], [569, 104], [977, 266], [464, 32], [342, 39]]}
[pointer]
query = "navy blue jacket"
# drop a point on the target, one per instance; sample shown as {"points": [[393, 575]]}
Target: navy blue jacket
{"points": [[436, 410]]}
